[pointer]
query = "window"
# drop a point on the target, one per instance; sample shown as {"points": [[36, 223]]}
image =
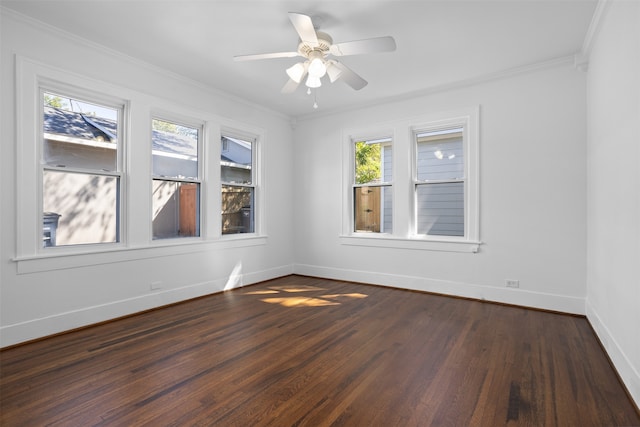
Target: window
{"points": [[440, 182], [78, 203], [176, 184], [372, 192], [433, 170], [81, 175], [237, 173]]}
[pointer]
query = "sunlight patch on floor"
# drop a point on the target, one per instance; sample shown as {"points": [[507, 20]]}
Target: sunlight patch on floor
{"points": [[321, 301], [300, 302], [293, 288]]}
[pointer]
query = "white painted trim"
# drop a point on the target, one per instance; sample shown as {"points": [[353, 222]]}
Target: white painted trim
{"points": [[257, 137], [386, 241], [31, 77], [215, 93], [402, 133], [97, 255], [626, 371], [594, 27], [31, 257], [38, 328], [519, 297], [461, 84]]}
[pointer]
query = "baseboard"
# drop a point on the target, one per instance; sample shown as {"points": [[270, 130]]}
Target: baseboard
{"points": [[521, 297], [61, 322], [627, 373]]}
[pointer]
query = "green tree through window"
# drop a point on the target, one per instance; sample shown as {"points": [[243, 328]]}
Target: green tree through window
{"points": [[367, 162]]}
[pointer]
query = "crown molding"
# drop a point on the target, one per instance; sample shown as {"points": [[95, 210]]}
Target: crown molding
{"points": [[594, 27], [473, 81], [43, 26], [579, 60]]}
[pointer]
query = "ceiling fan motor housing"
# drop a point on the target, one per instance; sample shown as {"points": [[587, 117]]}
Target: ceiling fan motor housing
{"points": [[324, 44]]}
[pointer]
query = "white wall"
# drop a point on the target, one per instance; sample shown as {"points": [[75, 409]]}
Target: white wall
{"points": [[532, 195], [613, 189], [533, 221], [69, 292]]}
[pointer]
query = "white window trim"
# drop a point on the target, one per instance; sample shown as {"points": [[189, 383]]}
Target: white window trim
{"points": [[135, 229], [257, 138], [348, 173], [33, 78], [384, 142], [404, 234], [186, 121]]}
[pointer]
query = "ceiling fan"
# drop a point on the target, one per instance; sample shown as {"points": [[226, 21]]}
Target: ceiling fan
{"points": [[317, 48]]}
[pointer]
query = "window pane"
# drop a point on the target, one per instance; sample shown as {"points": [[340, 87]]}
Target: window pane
{"points": [[236, 161], [176, 207], [175, 150], [372, 209], [79, 134], [237, 209], [441, 209], [373, 161], [79, 208], [440, 155]]}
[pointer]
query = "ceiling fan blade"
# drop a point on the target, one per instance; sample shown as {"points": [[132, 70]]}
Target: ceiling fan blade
{"points": [[265, 56], [304, 28], [350, 77], [358, 47], [290, 86]]}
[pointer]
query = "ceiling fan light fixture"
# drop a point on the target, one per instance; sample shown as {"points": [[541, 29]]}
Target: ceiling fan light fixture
{"points": [[317, 67], [296, 72], [313, 81]]}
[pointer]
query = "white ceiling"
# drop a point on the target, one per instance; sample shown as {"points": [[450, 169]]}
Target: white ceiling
{"points": [[438, 42]]}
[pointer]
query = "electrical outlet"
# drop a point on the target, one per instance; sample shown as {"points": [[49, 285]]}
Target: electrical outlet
{"points": [[512, 283], [155, 285]]}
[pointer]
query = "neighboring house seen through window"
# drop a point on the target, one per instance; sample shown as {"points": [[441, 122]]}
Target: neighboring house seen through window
{"points": [[104, 173], [81, 175], [237, 173], [176, 183], [440, 182], [434, 204]]}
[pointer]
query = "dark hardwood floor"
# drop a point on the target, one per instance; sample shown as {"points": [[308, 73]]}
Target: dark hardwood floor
{"points": [[303, 351]]}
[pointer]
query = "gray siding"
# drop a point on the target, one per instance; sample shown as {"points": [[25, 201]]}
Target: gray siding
{"points": [[441, 209], [440, 206], [441, 160]]}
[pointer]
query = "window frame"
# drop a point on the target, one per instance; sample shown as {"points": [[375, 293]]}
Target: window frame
{"points": [[405, 234], [383, 141], [45, 85], [256, 138], [189, 122], [135, 197]]}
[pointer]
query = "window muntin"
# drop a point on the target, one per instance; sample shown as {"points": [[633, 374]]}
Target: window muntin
{"points": [[440, 182], [175, 184], [372, 191], [238, 191], [81, 178]]}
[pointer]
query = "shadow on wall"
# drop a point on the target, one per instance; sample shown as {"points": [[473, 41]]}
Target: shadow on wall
{"points": [[85, 206]]}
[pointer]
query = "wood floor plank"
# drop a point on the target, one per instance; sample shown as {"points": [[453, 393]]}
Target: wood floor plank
{"points": [[301, 351]]}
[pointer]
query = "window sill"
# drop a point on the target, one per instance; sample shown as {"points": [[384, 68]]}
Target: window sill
{"points": [[60, 260], [386, 241]]}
